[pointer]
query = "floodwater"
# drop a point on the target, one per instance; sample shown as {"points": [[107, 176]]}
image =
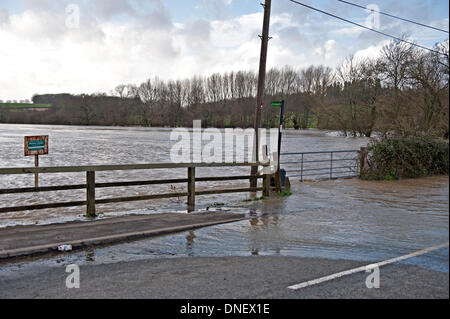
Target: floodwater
{"points": [[78, 145], [345, 218]]}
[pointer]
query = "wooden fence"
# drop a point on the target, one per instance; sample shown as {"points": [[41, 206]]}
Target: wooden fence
{"points": [[91, 184]]}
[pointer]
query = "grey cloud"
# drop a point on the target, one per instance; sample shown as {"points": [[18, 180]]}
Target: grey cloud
{"points": [[163, 49], [103, 9], [292, 38], [106, 9], [307, 20], [4, 17], [159, 19], [45, 5], [197, 34]]}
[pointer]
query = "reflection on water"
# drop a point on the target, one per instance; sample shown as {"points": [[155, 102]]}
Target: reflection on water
{"points": [[190, 243], [265, 225]]}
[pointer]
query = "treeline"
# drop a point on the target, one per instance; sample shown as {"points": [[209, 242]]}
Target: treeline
{"points": [[403, 92]]}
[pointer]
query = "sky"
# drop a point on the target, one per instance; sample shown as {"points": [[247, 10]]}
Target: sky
{"points": [[88, 46]]}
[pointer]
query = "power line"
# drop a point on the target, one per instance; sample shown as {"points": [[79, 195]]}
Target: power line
{"points": [[367, 28], [393, 16]]}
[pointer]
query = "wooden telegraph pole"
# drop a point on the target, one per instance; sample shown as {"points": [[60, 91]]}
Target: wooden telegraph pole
{"points": [[260, 94]]}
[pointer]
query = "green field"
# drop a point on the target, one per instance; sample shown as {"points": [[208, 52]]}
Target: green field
{"points": [[23, 106]]}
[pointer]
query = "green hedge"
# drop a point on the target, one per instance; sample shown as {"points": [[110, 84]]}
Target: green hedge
{"points": [[393, 158]]}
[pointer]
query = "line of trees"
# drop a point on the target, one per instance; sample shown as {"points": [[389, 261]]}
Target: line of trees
{"points": [[405, 91]]}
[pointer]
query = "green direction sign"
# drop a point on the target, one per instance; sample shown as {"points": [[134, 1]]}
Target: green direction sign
{"points": [[36, 145], [276, 104]]}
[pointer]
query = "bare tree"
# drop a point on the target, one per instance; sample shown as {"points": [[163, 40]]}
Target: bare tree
{"points": [[428, 75], [394, 63], [150, 92]]}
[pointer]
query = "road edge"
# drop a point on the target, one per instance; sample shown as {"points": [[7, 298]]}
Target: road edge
{"points": [[83, 243]]}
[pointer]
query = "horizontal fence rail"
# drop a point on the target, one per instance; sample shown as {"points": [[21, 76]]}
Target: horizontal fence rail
{"points": [[91, 184], [98, 168], [322, 164]]}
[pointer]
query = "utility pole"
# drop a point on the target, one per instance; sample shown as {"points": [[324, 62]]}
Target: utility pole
{"points": [[260, 94]]}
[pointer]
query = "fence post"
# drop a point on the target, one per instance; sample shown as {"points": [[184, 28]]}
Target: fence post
{"points": [[90, 193], [266, 184], [191, 188], [253, 179], [362, 160], [278, 180]]}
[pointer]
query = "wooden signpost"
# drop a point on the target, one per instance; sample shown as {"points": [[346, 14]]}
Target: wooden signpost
{"points": [[36, 145]]}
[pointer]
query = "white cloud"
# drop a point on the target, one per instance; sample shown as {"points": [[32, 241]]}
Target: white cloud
{"points": [[49, 58], [117, 44], [327, 51], [371, 52]]}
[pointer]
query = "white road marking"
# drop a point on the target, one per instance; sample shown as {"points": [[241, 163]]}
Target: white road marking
{"points": [[364, 268]]}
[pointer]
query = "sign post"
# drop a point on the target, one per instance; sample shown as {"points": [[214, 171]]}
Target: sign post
{"points": [[36, 145], [279, 104]]}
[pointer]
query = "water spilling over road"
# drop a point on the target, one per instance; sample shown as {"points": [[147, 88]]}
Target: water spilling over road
{"points": [[71, 146], [347, 219]]}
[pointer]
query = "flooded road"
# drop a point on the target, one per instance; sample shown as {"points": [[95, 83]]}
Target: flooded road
{"points": [[337, 219], [71, 146], [342, 219]]}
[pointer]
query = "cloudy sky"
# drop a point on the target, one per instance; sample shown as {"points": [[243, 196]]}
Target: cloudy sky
{"points": [[87, 46]]}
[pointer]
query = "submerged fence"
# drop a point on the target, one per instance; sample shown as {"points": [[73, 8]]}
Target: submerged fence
{"points": [[91, 185], [322, 164]]}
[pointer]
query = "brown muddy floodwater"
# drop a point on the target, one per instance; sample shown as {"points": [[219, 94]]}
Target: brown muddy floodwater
{"points": [[71, 146], [346, 218]]}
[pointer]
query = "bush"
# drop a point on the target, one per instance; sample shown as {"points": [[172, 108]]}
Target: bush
{"points": [[393, 158]]}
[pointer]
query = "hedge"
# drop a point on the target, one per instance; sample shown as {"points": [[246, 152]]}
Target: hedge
{"points": [[393, 158]]}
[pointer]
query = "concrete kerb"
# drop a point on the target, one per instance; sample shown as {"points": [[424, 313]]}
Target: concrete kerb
{"points": [[78, 244]]}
